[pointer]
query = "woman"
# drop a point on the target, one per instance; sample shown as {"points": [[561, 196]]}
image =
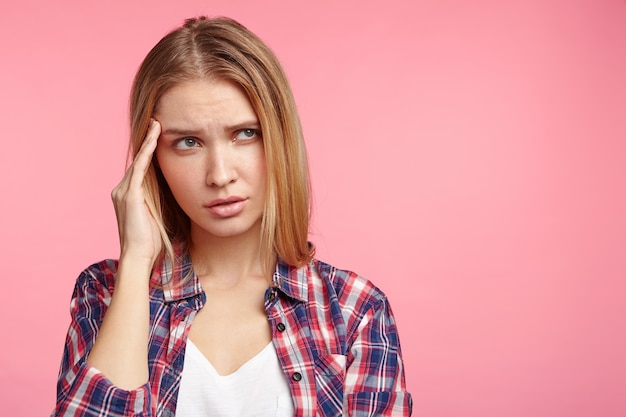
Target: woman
{"points": [[216, 305]]}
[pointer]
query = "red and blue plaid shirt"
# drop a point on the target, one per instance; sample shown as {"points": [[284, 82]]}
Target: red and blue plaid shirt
{"points": [[334, 333]]}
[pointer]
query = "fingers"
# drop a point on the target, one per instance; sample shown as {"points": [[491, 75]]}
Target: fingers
{"points": [[137, 229], [143, 158], [137, 170]]}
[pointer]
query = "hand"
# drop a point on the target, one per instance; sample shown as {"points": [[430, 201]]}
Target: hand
{"points": [[140, 239]]}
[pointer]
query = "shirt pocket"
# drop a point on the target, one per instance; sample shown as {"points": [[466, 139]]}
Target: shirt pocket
{"points": [[330, 372]]}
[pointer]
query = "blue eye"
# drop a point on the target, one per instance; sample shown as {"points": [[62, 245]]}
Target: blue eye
{"points": [[247, 134], [186, 143]]}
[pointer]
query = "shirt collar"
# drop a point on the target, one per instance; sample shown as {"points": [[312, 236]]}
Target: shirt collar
{"points": [[290, 280], [178, 281]]}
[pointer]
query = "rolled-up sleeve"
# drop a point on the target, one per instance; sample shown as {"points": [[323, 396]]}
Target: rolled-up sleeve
{"points": [[375, 383]]}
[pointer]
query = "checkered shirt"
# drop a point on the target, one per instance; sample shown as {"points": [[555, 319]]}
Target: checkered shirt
{"points": [[334, 333]]}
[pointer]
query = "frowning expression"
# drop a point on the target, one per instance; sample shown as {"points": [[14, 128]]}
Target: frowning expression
{"points": [[211, 155]]}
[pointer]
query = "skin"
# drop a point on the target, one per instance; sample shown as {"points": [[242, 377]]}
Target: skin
{"points": [[208, 144], [211, 147]]}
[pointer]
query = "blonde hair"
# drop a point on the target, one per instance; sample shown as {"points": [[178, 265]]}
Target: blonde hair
{"points": [[221, 48]]}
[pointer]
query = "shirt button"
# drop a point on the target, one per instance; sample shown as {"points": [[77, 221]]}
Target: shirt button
{"points": [[272, 296], [297, 376], [281, 327]]}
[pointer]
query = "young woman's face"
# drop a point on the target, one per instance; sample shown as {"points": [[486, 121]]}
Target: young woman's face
{"points": [[211, 155]]}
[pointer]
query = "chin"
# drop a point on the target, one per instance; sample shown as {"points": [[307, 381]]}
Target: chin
{"points": [[230, 229]]}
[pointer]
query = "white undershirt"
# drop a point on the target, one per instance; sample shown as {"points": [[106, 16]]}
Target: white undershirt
{"points": [[258, 388]]}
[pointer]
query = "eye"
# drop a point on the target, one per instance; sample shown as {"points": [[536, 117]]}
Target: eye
{"points": [[247, 134], [186, 143]]}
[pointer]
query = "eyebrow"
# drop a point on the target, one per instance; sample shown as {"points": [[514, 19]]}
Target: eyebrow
{"points": [[251, 124], [177, 132]]}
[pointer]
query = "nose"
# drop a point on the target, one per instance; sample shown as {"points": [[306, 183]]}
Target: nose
{"points": [[221, 169]]}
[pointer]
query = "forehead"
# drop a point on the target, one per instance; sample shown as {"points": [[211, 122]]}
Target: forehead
{"points": [[205, 99]]}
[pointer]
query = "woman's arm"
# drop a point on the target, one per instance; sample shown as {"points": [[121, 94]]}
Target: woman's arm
{"points": [[120, 351], [105, 362], [83, 390]]}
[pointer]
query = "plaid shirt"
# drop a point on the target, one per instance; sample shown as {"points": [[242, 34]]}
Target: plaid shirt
{"points": [[334, 333]]}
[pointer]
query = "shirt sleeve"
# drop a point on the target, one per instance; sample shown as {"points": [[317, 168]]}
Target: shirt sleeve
{"points": [[375, 383], [82, 390]]}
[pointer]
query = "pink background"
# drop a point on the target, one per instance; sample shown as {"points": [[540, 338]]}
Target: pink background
{"points": [[468, 157]]}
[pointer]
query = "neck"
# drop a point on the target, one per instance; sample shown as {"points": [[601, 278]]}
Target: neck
{"points": [[228, 259]]}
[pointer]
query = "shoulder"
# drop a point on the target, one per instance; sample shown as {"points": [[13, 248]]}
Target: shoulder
{"points": [[99, 276], [355, 295], [93, 290], [349, 287]]}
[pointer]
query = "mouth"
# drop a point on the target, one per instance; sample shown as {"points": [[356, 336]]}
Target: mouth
{"points": [[226, 207], [224, 201]]}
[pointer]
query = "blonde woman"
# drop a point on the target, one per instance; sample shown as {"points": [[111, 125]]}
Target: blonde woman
{"points": [[216, 306]]}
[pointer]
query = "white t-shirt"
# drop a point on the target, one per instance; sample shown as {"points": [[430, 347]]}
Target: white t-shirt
{"points": [[258, 388]]}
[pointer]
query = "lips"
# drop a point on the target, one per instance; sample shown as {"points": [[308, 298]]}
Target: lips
{"points": [[227, 207], [224, 201]]}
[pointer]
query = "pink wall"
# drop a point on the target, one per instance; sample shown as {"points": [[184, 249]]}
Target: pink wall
{"points": [[469, 157]]}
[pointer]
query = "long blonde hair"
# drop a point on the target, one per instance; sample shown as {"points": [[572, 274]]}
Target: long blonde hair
{"points": [[224, 49]]}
